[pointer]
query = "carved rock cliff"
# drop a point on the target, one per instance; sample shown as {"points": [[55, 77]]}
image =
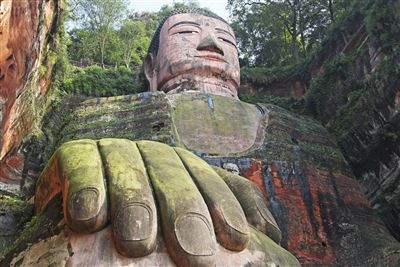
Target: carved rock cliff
{"points": [[352, 86], [324, 217], [28, 39]]}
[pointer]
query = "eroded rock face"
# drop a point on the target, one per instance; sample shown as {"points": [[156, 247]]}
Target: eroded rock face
{"points": [[358, 102], [27, 37], [25, 71]]}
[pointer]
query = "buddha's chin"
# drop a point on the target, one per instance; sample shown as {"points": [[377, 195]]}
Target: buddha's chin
{"points": [[209, 85]]}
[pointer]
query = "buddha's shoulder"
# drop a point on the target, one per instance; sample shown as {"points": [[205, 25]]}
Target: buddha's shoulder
{"points": [[204, 123]]}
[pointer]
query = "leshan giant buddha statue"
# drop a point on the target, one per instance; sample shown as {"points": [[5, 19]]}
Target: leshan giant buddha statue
{"points": [[145, 203], [194, 51]]}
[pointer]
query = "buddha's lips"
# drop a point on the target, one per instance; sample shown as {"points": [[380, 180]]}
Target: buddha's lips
{"points": [[212, 56]]}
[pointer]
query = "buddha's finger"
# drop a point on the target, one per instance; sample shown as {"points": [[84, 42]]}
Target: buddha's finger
{"points": [[187, 227], [133, 210], [48, 185], [253, 204], [229, 220], [84, 192]]}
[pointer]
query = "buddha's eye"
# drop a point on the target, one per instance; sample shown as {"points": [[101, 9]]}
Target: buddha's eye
{"points": [[227, 41], [186, 32]]}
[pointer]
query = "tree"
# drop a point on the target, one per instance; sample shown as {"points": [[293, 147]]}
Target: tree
{"points": [[83, 45], [99, 17], [106, 32], [275, 32], [135, 35]]}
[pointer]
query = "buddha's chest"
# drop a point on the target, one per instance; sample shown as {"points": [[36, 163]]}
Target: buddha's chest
{"points": [[204, 124]]}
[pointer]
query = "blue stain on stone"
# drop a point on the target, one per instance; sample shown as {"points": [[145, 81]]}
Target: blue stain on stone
{"points": [[215, 161], [210, 102], [244, 163], [275, 205], [199, 153], [128, 98], [145, 95]]}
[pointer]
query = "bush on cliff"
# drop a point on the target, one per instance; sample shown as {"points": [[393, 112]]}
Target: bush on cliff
{"points": [[96, 81]]}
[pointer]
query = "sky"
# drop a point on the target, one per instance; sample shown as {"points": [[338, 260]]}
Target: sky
{"points": [[217, 6]]}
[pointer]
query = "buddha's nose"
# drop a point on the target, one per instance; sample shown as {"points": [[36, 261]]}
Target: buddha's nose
{"points": [[209, 43]]}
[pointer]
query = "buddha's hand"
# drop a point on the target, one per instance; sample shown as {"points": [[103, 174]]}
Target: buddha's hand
{"points": [[116, 178]]}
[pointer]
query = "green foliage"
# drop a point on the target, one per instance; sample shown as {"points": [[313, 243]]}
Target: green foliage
{"points": [[354, 107], [266, 76], [271, 33], [109, 34], [297, 105], [378, 93], [135, 36], [96, 81], [382, 22], [83, 45], [99, 18], [329, 91]]}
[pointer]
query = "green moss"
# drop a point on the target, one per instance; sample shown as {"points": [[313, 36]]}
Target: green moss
{"points": [[108, 120], [206, 123], [266, 76], [297, 105], [81, 162], [40, 226], [13, 202], [18, 209], [26, 234], [123, 161], [173, 186]]}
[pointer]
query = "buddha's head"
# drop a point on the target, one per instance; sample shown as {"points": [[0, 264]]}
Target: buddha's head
{"points": [[193, 50]]}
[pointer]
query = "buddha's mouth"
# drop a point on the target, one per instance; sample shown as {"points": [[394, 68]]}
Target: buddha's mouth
{"points": [[211, 56]]}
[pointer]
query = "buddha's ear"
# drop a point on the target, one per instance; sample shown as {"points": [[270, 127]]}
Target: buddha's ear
{"points": [[150, 71]]}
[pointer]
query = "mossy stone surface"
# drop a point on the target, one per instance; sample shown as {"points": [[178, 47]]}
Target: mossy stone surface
{"points": [[14, 213], [214, 124]]}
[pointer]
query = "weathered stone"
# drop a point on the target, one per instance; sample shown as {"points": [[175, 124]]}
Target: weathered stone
{"points": [[227, 214], [198, 53], [14, 213], [187, 226], [25, 45], [68, 248], [209, 124], [133, 209], [323, 215], [317, 203]]}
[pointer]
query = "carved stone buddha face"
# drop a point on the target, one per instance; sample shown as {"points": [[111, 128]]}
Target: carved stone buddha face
{"points": [[196, 53]]}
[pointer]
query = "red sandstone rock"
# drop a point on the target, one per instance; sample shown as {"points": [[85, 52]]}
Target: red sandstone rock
{"points": [[24, 44]]}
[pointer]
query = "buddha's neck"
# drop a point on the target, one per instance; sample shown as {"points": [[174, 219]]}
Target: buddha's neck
{"points": [[209, 85]]}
